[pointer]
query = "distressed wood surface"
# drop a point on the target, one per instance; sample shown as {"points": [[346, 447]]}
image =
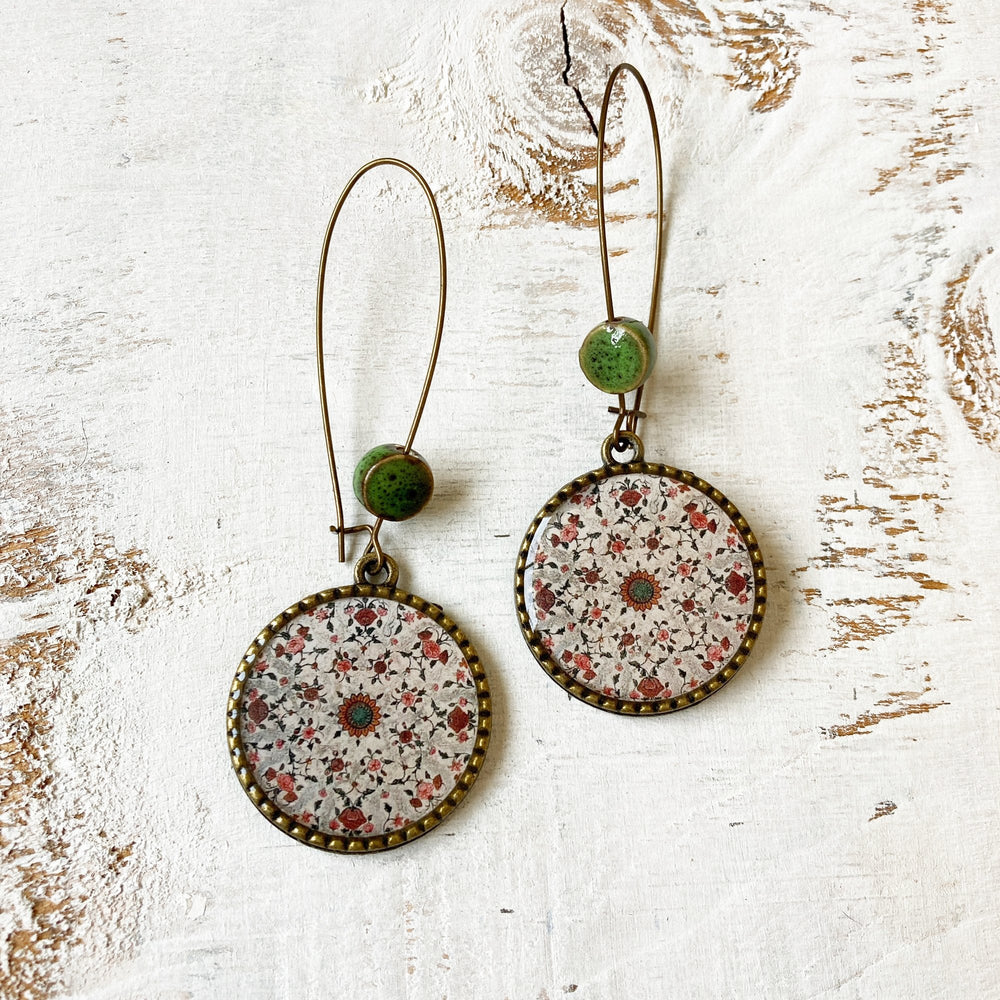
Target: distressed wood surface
{"points": [[826, 826]]}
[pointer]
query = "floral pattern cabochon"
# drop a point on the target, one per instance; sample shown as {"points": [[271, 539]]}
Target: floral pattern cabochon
{"points": [[644, 588], [360, 717]]}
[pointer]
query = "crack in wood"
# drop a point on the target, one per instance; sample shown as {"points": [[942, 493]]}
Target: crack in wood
{"points": [[565, 72], [539, 152]]}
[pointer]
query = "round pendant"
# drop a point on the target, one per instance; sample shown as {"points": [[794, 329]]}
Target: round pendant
{"points": [[359, 718], [640, 588]]}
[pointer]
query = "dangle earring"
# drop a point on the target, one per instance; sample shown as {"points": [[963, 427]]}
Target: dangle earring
{"points": [[359, 718], [640, 588]]}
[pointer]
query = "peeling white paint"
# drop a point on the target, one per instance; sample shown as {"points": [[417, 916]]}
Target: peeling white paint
{"points": [[168, 177]]}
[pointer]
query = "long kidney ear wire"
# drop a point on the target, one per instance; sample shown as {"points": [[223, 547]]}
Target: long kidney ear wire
{"points": [[374, 560], [624, 434]]}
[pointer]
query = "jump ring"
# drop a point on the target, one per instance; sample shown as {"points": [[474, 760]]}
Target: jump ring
{"points": [[368, 567], [621, 441]]}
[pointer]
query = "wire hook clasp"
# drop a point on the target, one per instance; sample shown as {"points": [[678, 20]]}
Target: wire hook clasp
{"points": [[628, 417], [373, 529]]}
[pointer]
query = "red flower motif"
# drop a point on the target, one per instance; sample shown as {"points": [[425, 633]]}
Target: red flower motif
{"points": [[698, 520], [650, 687], [310, 694], [736, 583], [353, 818], [257, 710], [631, 497], [593, 576], [365, 617], [458, 719], [431, 650], [295, 645], [336, 765], [286, 782], [406, 736], [688, 605], [545, 599]]}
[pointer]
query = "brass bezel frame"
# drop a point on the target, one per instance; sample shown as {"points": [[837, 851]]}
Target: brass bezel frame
{"points": [[623, 706], [364, 843]]}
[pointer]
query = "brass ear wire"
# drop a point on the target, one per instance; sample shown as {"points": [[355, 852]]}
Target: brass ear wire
{"points": [[374, 529], [629, 418]]}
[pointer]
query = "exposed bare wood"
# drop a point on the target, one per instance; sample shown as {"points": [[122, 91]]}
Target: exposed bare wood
{"points": [[825, 357]]}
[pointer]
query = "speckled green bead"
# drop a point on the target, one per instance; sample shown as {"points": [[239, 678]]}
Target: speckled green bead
{"points": [[618, 355], [391, 484]]}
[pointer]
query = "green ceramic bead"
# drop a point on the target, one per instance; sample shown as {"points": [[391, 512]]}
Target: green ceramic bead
{"points": [[391, 484], [618, 355]]}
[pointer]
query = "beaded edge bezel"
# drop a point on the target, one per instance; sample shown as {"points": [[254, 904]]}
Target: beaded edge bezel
{"points": [[660, 706], [372, 843]]}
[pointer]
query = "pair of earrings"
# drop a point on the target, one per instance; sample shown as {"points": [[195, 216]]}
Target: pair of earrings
{"points": [[359, 718]]}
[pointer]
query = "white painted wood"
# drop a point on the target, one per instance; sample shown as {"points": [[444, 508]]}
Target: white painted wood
{"points": [[824, 827]]}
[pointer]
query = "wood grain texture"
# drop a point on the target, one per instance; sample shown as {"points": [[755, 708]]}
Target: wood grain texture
{"points": [[825, 826]]}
